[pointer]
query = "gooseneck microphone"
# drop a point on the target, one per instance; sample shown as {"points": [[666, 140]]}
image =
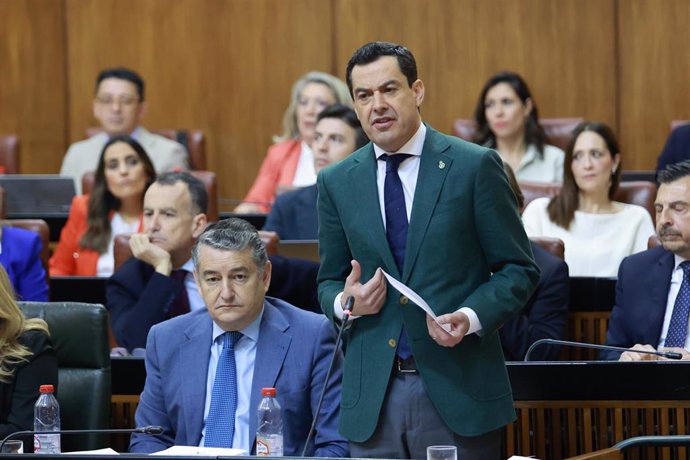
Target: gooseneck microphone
{"points": [[665, 354], [347, 311], [150, 430]]}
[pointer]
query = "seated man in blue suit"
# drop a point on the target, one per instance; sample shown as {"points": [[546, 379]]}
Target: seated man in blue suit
{"points": [[653, 289], [337, 134], [245, 337]]}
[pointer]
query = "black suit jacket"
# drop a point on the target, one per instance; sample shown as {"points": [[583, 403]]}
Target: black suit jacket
{"points": [[677, 148], [641, 296], [544, 315], [18, 397], [138, 297], [294, 216]]}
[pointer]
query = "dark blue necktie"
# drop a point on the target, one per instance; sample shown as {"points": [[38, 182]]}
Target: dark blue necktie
{"points": [[396, 225], [180, 304], [220, 423], [678, 327]]}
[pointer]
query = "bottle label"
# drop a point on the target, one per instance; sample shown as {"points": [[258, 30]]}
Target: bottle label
{"points": [[269, 446], [46, 443]]}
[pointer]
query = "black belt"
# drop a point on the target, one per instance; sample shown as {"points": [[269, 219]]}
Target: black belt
{"points": [[405, 366]]}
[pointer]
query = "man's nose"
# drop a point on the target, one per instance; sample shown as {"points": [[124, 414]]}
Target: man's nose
{"points": [[379, 101], [227, 292]]}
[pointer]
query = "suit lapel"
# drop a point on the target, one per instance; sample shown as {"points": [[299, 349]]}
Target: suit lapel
{"points": [[195, 350], [362, 180], [660, 278], [433, 169], [271, 351]]}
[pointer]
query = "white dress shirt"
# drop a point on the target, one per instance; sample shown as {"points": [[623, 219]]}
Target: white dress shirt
{"points": [[305, 174], [408, 172], [195, 300], [245, 355]]}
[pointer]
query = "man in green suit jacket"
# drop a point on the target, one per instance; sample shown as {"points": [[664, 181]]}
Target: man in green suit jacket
{"points": [[466, 254]]}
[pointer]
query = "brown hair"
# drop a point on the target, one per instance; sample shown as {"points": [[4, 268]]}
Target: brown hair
{"points": [[102, 201], [562, 207]]}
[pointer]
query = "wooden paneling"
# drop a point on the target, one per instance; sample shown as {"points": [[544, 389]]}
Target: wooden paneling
{"points": [[225, 67], [654, 75], [32, 80], [458, 44]]}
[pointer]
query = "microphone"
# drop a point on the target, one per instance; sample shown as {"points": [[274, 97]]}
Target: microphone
{"points": [[665, 354], [347, 311], [150, 430]]}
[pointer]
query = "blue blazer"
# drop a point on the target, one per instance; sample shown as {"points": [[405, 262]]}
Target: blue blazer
{"points": [[21, 258], [677, 148], [641, 296], [294, 216], [293, 354]]}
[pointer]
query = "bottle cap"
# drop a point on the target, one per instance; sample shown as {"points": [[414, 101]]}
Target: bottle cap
{"points": [[268, 392], [46, 388]]}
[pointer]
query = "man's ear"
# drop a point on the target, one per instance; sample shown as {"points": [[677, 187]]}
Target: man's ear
{"points": [[268, 268], [418, 89], [199, 223]]}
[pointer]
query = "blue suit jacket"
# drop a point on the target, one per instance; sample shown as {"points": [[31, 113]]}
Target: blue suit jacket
{"points": [[677, 148], [21, 258], [545, 314], [293, 354], [294, 216], [641, 296]]}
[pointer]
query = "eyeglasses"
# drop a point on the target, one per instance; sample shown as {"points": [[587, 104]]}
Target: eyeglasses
{"points": [[125, 101]]}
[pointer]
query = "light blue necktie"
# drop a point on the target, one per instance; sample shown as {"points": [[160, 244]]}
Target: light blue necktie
{"points": [[220, 423], [678, 328]]}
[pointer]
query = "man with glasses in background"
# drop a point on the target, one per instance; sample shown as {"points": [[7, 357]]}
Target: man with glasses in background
{"points": [[119, 107]]}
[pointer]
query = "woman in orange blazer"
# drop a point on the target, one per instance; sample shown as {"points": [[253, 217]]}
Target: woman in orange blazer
{"points": [[289, 163], [114, 206]]}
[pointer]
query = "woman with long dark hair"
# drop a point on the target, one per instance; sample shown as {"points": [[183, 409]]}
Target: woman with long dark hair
{"points": [[507, 120], [598, 232], [114, 206]]}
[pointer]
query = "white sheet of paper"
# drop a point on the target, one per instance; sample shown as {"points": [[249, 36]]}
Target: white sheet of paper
{"points": [[191, 451], [106, 451], [414, 297]]}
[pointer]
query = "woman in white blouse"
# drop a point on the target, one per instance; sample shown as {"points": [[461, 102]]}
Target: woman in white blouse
{"points": [[507, 120], [597, 231]]}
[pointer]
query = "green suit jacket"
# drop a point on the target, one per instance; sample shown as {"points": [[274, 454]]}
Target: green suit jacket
{"points": [[465, 247]]}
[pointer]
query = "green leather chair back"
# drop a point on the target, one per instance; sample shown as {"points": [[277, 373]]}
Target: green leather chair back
{"points": [[79, 332]]}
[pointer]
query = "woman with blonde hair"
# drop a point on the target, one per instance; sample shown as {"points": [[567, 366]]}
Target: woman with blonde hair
{"points": [[289, 164], [27, 360]]}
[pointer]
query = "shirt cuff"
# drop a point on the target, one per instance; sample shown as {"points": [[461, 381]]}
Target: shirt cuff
{"points": [[338, 308], [475, 325]]}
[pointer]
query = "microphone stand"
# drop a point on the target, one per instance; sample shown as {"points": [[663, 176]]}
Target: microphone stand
{"points": [[665, 354], [150, 430], [347, 311]]}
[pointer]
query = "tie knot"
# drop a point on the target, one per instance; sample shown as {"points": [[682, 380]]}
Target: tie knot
{"points": [[230, 338], [393, 161], [686, 267]]}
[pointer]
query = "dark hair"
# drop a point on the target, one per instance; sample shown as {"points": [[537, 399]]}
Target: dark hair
{"points": [[233, 234], [534, 133], [123, 73], [673, 172], [347, 115], [102, 201], [514, 186], [196, 188], [374, 50], [562, 207]]}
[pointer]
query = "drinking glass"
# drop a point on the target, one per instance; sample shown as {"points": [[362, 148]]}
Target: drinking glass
{"points": [[441, 453], [13, 446]]}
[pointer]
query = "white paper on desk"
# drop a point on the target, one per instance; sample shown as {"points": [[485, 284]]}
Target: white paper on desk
{"points": [[191, 451], [416, 298], [106, 451]]}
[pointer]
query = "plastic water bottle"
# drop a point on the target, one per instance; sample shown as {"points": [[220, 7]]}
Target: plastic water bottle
{"points": [[47, 418], [269, 434]]}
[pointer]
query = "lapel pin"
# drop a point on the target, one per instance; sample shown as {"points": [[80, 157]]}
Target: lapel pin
{"points": [[441, 165]]}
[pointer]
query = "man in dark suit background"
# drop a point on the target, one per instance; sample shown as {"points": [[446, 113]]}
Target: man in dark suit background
{"points": [[465, 252], [677, 148], [192, 372], [337, 134], [653, 290], [546, 313]]}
